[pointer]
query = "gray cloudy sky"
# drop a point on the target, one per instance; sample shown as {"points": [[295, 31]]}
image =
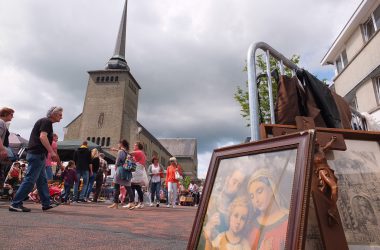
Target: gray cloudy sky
{"points": [[187, 56]]}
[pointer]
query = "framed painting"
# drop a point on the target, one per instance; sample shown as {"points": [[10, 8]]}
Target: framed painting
{"points": [[358, 173], [256, 195]]}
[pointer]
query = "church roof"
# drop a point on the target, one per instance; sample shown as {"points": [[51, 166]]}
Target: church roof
{"points": [[153, 138], [181, 147]]}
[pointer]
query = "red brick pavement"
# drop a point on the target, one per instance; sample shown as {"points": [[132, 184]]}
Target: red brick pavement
{"points": [[94, 226]]}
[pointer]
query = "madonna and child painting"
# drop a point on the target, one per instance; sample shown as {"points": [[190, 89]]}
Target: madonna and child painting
{"points": [[248, 207]]}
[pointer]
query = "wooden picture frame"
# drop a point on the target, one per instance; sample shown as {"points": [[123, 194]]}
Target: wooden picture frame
{"points": [[358, 172], [256, 193]]}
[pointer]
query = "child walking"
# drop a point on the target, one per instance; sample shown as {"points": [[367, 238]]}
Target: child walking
{"points": [[69, 176]]}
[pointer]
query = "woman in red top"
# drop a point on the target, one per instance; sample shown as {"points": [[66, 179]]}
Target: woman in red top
{"points": [[140, 160], [171, 181]]}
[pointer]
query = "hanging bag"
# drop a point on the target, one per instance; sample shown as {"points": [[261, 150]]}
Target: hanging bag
{"points": [[178, 176], [123, 173], [129, 165], [139, 176]]}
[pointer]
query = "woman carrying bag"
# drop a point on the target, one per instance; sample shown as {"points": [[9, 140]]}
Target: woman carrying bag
{"points": [[173, 175], [140, 177], [122, 177]]}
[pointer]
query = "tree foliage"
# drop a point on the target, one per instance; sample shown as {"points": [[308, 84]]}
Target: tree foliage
{"points": [[186, 181], [241, 94]]}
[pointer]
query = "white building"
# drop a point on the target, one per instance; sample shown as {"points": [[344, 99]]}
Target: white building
{"points": [[356, 56]]}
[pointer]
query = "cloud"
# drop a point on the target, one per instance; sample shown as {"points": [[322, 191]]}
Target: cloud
{"points": [[187, 56]]}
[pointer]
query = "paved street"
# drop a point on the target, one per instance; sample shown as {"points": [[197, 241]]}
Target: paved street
{"points": [[94, 226]]}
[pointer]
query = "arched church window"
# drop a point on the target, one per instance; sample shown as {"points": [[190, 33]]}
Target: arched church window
{"points": [[103, 140], [107, 79], [102, 80], [98, 79], [98, 140], [93, 139], [108, 141], [111, 79], [116, 78], [88, 138]]}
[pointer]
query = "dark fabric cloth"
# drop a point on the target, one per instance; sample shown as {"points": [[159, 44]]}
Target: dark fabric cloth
{"points": [[323, 98], [82, 158], [69, 176], [344, 110], [42, 125], [312, 109], [289, 102], [95, 165], [294, 100]]}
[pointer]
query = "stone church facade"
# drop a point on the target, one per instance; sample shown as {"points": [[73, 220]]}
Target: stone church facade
{"points": [[110, 107]]}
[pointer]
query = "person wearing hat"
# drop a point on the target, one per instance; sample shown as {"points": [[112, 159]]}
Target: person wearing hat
{"points": [[39, 146], [172, 181], [155, 171]]}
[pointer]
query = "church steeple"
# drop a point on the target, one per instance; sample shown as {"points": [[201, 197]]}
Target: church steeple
{"points": [[118, 61]]}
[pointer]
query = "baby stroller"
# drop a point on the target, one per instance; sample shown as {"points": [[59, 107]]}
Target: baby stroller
{"points": [[12, 181], [55, 191]]}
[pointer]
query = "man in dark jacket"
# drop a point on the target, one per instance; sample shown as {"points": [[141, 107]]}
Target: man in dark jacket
{"points": [[82, 158]]}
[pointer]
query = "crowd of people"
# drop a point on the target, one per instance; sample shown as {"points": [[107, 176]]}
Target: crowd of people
{"points": [[88, 167]]}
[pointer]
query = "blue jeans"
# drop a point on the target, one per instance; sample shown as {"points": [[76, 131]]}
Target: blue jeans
{"points": [[49, 173], [84, 174], [67, 191], [155, 189], [91, 181], [35, 174]]}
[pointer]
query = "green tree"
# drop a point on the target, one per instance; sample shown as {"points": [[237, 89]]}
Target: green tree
{"points": [[186, 181], [241, 94]]}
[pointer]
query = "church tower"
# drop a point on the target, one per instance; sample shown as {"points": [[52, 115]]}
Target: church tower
{"points": [[110, 106]]}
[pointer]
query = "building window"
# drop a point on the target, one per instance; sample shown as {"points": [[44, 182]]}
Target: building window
{"points": [[377, 89], [88, 138], [376, 16], [108, 141], [111, 79], [341, 62], [107, 79], [98, 79], [372, 24], [98, 140], [103, 140], [116, 78], [102, 79], [93, 139], [354, 103]]}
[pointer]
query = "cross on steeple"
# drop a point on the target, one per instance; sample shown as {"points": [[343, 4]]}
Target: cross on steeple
{"points": [[118, 61]]}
